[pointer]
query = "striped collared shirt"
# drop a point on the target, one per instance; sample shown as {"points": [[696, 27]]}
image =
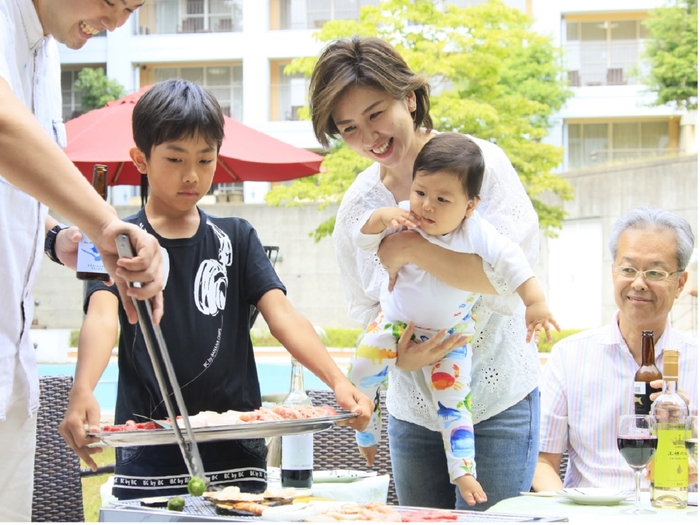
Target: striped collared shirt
{"points": [[587, 383]]}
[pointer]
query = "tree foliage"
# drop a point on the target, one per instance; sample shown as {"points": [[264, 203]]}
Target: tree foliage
{"points": [[96, 89], [671, 54], [492, 76]]}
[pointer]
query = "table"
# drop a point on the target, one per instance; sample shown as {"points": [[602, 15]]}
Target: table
{"points": [[587, 514], [361, 491]]}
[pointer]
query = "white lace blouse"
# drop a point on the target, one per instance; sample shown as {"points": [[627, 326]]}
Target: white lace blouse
{"points": [[505, 368]]}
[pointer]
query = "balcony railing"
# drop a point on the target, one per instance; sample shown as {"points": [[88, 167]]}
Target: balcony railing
{"points": [[601, 63], [312, 14], [611, 156], [163, 17]]}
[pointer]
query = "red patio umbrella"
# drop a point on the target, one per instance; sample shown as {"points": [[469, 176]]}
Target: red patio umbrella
{"points": [[103, 136]]}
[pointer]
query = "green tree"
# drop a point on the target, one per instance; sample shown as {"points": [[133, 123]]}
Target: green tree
{"points": [[492, 77], [96, 89], [671, 54]]}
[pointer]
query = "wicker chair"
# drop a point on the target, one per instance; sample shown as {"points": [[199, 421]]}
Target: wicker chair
{"points": [[58, 492], [336, 448], [563, 465]]}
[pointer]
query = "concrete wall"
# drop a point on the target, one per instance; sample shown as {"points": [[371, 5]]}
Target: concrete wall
{"points": [[601, 196], [307, 268], [310, 272]]}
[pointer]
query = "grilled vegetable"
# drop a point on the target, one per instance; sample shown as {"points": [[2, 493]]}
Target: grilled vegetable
{"points": [[196, 486], [176, 503]]}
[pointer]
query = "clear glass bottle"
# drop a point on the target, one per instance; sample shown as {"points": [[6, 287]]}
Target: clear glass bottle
{"points": [[646, 373], [297, 465], [89, 265], [669, 482]]}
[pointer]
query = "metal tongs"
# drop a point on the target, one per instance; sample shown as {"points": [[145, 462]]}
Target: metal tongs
{"points": [[153, 336]]}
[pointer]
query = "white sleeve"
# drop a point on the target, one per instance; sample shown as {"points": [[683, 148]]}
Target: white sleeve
{"points": [[368, 241], [506, 206], [6, 46], [554, 414], [504, 202], [504, 258], [361, 271]]}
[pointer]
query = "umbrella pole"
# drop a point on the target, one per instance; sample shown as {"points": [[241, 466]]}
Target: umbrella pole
{"points": [[230, 173]]}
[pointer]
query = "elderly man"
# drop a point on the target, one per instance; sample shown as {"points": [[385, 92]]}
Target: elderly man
{"points": [[588, 380]]}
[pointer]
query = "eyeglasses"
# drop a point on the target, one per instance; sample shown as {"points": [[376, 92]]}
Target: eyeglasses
{"points": [[650, 275]]}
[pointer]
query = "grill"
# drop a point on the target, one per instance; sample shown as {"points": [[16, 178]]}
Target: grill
{"points": [[198, 509]]}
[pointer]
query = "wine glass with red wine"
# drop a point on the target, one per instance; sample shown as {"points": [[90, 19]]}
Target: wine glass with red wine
{"points": [[636, 439]]}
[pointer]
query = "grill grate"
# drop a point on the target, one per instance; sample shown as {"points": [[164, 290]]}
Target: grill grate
{"points": [[205, 509]]}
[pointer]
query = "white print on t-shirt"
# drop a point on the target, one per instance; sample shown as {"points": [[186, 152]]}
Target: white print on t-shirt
{"points": [[211, 282], [225, 249]]}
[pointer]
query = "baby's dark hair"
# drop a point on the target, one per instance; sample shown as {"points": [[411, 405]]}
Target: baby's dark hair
{"points": [[457, 154], [176, 109]]}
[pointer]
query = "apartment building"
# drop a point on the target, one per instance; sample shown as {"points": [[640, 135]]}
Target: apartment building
{"points": [[236, 48], [610, 117], [239, 48]]}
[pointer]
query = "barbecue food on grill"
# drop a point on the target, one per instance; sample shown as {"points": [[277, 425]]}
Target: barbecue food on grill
{"points": [[233, 417]]}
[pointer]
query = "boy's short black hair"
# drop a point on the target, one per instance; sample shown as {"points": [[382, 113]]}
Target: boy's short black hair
{"points": [[457, 154], [175, 109]]}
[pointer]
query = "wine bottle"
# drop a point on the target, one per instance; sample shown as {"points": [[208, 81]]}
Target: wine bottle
{"points": [[645, 375], [89, 263], [669, 482], [297, 450]]}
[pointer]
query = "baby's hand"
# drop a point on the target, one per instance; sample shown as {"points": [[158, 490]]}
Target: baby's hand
{"points": [[537, 317], [471, 490], [393, 217], [368, 453]]}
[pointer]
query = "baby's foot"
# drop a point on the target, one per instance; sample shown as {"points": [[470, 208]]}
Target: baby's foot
{"points": [[471, 490]]}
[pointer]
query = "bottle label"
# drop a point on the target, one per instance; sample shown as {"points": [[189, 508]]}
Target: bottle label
{"points": [[89, 259], [642, 403], [671, 458], [298, 452]]}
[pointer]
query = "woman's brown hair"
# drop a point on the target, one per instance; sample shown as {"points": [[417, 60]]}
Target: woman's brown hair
{"points": [[367, 62]]}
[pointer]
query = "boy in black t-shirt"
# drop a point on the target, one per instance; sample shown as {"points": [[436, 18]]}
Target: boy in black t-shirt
{"points": [[215, 269]]}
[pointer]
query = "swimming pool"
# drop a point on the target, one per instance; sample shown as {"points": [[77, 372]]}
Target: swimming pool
{"points": [[274, 378]]}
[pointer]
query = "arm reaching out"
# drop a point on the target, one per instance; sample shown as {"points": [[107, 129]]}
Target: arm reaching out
{"points": [[537, 314], [298, 336], [97, 336], [26, 152], [388, 217]]}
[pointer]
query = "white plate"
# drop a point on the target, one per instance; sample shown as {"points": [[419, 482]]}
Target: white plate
{"points": [[341, 476], [592, 496]]}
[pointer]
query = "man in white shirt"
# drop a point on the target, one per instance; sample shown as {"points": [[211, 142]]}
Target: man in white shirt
{"points": [[589, 378], [32, 167]]}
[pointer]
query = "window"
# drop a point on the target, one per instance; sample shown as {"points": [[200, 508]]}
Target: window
{"points": [[224, 82], [312, 14], [190, 16], [603, 52], [517, 4], [593, 144], [288, 93], [71, 98]]}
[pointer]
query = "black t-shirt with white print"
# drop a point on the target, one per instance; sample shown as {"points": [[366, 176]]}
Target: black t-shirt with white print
{"points": [[212, 279]]}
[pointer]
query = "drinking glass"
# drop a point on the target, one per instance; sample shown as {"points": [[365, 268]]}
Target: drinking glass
{"points": [[636, 440]]}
